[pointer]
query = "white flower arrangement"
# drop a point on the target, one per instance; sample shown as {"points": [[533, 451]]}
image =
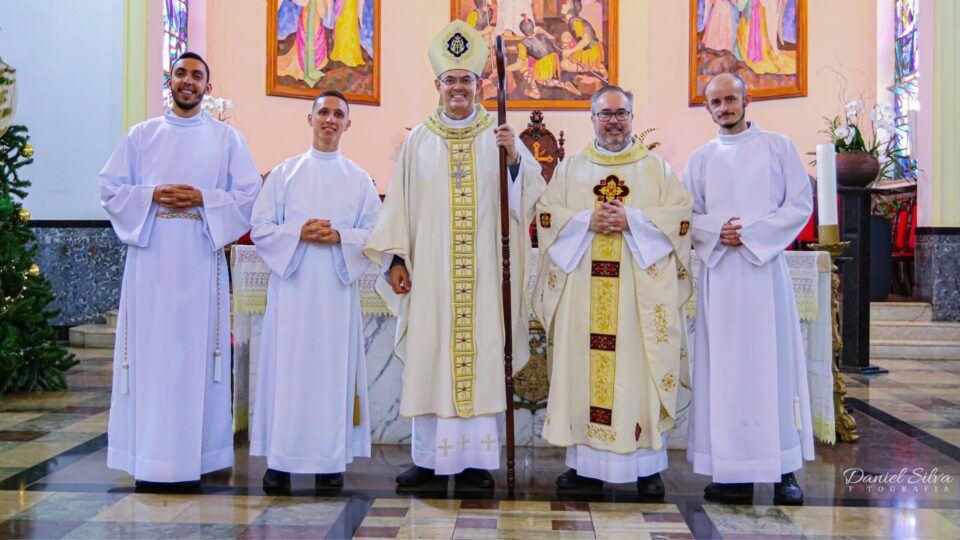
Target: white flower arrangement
{"points": [[846, 133], [848, 137]]}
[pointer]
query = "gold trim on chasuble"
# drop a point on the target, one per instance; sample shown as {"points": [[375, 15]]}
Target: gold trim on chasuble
{"points": [[463, 255], [604, 306], [636, 152]]}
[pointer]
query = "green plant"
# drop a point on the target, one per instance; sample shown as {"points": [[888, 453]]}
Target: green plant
{"points": [[30, 357], [885, 206], [643, 135]]}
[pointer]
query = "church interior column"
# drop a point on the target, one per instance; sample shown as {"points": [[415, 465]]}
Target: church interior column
{"points": [[937, 262]]}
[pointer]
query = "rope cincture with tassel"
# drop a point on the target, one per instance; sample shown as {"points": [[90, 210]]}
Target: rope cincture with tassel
{"points": [[125, 367], [356, 406], [797, 419], [796, 413], [217, 354]]}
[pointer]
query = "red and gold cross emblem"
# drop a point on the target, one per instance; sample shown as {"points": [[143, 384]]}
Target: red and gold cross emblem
{"points": [[545, 220], [611, 188]]}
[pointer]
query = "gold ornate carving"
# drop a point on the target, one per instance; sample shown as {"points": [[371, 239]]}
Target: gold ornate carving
{"points": [[845, 424], [532, 382]]}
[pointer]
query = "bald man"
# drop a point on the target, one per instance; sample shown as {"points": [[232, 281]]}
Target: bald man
{"points": [[751, 407]]}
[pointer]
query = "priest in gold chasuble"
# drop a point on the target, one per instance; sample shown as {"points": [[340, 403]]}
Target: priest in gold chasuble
{"points": [[614, 239], [438, 240]]}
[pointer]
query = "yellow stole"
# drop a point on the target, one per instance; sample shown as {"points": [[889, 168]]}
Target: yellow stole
{"points": [[463, 237], [605, 294]]}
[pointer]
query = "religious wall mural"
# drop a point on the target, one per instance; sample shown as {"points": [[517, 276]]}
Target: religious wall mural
{"points": [[559, 52], [318, 45], [762, 41]]}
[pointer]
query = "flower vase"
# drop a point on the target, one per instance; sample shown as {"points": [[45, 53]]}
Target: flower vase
{"points": [[857, 169]]}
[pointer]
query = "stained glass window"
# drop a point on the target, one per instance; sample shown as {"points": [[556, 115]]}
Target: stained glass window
{"points": [[174, 33], [906, 83]]}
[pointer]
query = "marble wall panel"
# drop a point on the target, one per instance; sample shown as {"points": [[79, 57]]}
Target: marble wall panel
{"points": [[84, 266]]}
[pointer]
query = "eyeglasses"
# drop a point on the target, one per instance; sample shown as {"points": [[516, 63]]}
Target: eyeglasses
{"points": [[621, 114], [452, 81]]}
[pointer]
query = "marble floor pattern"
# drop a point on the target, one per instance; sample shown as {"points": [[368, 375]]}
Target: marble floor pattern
{"points": [[54, 482]]}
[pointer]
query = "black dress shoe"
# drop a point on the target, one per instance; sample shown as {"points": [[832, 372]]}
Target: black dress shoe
{"points": [[650, 487], [276, 480], [572, 480], [787, 491], [717, 492], [167, 487], [415, 476], [478, 478], [329, 481]]}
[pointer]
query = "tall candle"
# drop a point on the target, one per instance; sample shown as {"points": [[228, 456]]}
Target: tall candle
{"points": [[826, 185]]}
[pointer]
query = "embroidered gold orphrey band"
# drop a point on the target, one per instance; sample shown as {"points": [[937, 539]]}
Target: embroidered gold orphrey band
{"points": [[463, 255], [604, 305]]}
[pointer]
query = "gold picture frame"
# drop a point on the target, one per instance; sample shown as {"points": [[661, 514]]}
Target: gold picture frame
{"points": [[762, 41], [350, 65], [540, 75]]}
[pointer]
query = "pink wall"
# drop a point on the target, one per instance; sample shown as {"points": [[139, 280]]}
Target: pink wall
{"points": [[155, 59], [842, 35]]}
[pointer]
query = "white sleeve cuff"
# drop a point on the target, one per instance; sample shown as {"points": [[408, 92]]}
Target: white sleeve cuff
{"points": [[572, 242], [646, 242]]}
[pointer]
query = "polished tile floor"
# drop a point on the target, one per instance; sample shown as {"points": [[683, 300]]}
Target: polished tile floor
{"points": [[54, 482]]}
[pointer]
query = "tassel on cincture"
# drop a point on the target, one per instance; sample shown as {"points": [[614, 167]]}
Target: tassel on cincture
{"points": [[125, 379], [217, 366], [796, 413], [356, 404], [356, 409]]}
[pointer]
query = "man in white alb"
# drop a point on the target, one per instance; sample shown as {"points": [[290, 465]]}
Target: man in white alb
{"points": [[178, 189], [310, 225], [751, 405]]}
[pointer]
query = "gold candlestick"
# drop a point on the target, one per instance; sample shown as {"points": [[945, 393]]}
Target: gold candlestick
{"points": [[829, 236]]}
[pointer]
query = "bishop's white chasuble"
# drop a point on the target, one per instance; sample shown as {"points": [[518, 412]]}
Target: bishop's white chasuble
{"points": [[442, 216]]}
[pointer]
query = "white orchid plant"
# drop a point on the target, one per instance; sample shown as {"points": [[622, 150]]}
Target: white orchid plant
{"points": [[218, 108], [848, 137]]}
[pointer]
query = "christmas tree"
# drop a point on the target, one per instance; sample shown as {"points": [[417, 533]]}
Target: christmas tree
{"points": [[30, 357]]}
